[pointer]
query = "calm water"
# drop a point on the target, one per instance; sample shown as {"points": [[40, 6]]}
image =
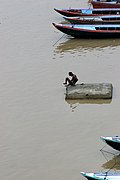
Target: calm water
{"points": [[42, 136]]}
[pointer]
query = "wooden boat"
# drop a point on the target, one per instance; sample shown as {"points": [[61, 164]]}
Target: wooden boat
{"points": [[111, 19], [103, 1], [90, 31], [88, 12], [102, 176], [113, 141], [105, 4]]}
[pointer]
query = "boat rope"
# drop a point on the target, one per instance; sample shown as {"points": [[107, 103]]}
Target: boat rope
{"points": [[58, 40], [115, 156], [102, 150], [112, 166]]}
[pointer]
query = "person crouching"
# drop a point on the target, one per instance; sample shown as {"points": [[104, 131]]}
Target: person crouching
{"points": [[71, 81]]}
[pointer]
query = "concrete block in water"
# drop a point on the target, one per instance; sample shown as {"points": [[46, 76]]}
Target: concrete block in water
{"points": [[89, 91]]}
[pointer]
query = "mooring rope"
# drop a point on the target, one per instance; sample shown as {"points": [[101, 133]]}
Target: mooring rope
{"points": [[115, 156], [58, 40]]}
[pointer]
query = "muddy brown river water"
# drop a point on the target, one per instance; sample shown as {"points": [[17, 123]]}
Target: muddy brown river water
{"points": [[42, 136]]}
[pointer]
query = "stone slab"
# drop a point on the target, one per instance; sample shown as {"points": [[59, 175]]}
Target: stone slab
{"points": [[89, 91]]}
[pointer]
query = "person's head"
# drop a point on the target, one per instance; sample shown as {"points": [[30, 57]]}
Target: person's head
{"points": [[70, 74]]}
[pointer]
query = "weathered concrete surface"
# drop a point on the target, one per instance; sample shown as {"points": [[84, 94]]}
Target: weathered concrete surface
{"points": [[89, 91]]}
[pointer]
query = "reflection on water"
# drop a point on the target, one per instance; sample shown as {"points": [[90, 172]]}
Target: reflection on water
{"points": [[80, 44], [113, 163], [75, 103]]}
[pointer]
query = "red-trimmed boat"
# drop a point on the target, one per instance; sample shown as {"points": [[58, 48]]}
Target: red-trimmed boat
{"points": [[112, 19], [105, 4], [90, 31], [88, 12]]}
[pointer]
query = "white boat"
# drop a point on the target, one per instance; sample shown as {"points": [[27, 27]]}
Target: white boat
{"points": [[102, 176]]}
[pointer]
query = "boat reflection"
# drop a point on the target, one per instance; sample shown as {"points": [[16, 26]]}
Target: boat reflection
{"points": [[113, 163], [75, 103], [86, 44]]}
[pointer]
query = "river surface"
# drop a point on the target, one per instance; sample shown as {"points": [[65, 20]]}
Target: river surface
{"points": [[42, 136]]}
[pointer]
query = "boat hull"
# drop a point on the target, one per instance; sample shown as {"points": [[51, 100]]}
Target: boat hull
{"points": [[86, 21], [88, 12], [82, 33], [68, 12], [102, 176], [114, 142], [114, 145], [104, 5]]}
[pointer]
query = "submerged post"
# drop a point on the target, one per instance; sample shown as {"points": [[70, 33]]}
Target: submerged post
{"points": [[89, 91]]}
